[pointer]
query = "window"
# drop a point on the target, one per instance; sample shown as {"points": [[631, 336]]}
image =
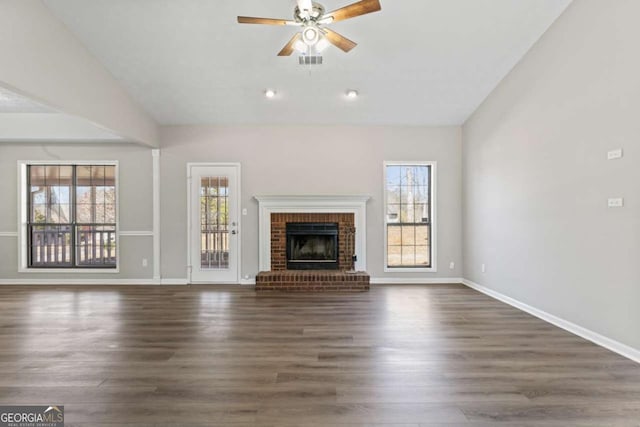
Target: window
{"points": [[409, 207], [71, 216]]}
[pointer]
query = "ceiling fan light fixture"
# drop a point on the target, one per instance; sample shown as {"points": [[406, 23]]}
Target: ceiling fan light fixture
{"points": [[322, 44], [301, 46], [311, 17], [310, 35]]}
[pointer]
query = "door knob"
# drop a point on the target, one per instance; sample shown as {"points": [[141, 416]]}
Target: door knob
{"points": [[233, 232]]}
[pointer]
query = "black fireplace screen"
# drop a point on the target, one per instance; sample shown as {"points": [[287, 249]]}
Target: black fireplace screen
{"points": [[312, 246]]}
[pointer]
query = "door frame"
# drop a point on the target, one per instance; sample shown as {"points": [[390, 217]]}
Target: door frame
{"points": [[238, 166]]}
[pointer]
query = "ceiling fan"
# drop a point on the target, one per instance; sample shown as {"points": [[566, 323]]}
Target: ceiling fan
{"points": [[314, 37]]}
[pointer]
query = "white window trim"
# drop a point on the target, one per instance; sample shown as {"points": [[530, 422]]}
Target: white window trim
{"points": [[23, 215], [433, 208], [190, 224]]}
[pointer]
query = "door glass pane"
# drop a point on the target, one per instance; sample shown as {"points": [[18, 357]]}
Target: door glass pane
{"points": [[214, 226]]}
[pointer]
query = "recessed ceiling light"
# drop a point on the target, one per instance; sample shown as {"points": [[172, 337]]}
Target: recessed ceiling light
{"points": [[269, 93], [352, 94]]}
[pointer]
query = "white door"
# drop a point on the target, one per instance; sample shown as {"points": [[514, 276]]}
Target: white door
{"points": [[213, 227]]}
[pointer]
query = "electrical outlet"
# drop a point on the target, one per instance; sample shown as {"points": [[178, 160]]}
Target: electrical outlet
{"points": [[483, 267], [246, 276], [616, 203], [614, 154], [145, 262], [452, 265]]}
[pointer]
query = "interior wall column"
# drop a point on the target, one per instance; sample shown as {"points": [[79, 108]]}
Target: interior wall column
{"points": [[155, 153]]}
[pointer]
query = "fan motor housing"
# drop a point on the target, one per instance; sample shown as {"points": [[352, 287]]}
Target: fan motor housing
{"points": [[316, 13]]}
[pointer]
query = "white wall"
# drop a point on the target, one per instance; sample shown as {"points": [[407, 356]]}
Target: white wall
{"points": [[136, 205], [310, 160], [44, 61], [536, 175]]}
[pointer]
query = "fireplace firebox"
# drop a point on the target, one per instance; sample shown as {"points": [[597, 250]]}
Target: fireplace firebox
{"points": [[312, 246]]}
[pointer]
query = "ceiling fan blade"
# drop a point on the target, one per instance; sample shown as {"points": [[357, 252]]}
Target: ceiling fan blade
{"points": [[288, 49], [339, 41], [264, 21], [305, 5], [356, 9]]}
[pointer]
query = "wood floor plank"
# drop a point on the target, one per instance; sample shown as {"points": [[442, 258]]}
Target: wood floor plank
{"points": [[398, 356]]}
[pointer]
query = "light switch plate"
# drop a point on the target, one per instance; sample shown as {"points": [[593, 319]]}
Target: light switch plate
{"points": [[614, 154], [616, 203], [244, 211]]}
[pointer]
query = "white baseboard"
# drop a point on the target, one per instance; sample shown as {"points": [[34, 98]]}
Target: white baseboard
{"points": [[174, 282], [414, 281], [390, 281], [594, 337], [121, 282]]}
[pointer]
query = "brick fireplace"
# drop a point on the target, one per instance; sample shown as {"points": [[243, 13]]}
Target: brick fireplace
{"points": [[279, 221], [320, 215]]}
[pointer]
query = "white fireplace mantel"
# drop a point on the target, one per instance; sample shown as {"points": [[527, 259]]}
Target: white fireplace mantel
{"points": [[357, 205]]}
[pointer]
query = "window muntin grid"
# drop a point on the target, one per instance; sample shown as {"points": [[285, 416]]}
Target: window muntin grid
{"points": [[408, 216], [214, 222], [72, 216]]}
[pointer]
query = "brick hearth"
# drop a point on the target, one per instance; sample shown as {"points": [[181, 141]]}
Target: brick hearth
{"points": [[312, 281]]}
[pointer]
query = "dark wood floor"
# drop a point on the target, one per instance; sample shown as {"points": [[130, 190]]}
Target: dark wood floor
{"points": [[397, 356]]}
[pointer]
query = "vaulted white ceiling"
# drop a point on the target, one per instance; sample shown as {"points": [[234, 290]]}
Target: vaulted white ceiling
{"points": [[418, 62]]}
